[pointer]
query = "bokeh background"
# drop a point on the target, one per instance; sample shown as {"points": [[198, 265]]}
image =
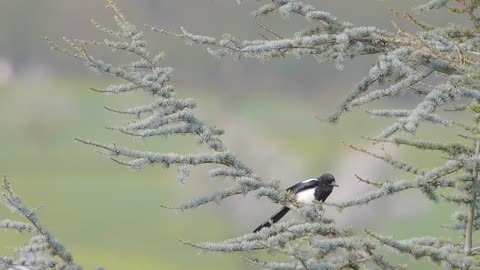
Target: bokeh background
{"points": [[110, 216]]}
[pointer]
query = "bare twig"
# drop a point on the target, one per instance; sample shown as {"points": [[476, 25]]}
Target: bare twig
{"points": [[367, 181], [269, 30]]}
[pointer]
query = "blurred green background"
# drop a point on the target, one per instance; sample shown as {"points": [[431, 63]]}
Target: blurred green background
{"points": [[110, 216]]}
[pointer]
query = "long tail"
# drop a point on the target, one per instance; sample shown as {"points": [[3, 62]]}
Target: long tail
{"points": [[279, 215]]}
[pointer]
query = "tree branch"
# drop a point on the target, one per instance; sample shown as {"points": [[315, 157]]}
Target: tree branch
{"points": [[473, 206]]}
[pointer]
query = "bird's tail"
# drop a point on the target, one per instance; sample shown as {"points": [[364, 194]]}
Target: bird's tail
{"points": [[279, 215]]}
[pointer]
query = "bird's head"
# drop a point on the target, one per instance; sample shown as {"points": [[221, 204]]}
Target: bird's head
{"points": [[327, 180]]}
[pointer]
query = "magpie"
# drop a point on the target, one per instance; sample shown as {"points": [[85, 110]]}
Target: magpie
{"points": [[305, 192]]}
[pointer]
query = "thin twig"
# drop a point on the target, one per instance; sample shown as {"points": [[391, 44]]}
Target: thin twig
{"points": [[95, 144], [467, 137], [367, 181], [100, 91], [263, 36], [269, 30]]}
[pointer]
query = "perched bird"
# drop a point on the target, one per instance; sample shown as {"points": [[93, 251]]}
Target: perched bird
{"points": [[305, 192]]}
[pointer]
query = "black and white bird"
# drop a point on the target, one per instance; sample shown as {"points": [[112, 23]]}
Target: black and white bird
{"points": [[305, 192]]}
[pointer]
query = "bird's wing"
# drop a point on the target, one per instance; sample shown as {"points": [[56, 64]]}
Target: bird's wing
{"points": [[307, 184]]}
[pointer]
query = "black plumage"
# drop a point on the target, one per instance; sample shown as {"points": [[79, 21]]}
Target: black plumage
{"points": [[305, 192]]}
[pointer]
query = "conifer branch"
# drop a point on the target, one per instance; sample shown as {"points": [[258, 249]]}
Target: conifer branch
{"points": [[49, 244], [437, 249], [454, 149], [397, 164], [436, 177]]}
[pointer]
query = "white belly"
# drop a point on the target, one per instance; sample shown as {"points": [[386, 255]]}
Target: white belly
{"points": [[306, 196]]}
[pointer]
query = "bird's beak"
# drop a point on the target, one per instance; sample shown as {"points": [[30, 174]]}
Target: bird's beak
{"points": [[334, 184]]}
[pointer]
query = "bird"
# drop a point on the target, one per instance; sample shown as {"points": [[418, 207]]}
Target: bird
{"points": [[305, 192]]}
